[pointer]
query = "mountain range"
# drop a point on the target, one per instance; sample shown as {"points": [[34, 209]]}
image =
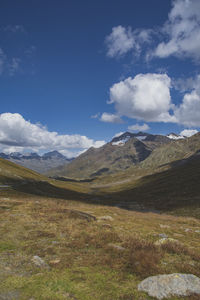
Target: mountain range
{"points": [[37, 162], [120, 154]]}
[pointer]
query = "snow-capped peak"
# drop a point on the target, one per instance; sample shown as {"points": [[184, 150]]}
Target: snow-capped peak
{"points": [[121, 142], [174, 136]]}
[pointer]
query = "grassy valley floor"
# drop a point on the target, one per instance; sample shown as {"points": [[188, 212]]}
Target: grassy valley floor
{"points": [[88, 251]]}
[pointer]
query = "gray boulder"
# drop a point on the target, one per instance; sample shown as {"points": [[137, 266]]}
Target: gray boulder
{"points": [[39, 262], [165, 286]]}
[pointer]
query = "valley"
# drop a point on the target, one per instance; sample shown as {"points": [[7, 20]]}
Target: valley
{"points": [[98, 238]]}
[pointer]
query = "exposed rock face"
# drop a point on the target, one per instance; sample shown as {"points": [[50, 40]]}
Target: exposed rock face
{"points": [[165, 286]]}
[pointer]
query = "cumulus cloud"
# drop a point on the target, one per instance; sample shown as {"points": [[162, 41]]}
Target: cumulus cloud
{"points": [[17, 133], [188, 132], [138, 127], [122, 40], [188, 111], [110, 118], [144, 97], [182, 31], [147, 97]]}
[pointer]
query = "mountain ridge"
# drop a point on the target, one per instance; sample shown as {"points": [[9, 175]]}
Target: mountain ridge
{"points": [[119, 154], [36, 162]]}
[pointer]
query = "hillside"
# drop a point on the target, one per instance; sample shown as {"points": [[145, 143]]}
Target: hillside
{"points": [[120, 154], [175, 190], [69, 249], [98, 240], [11, 172], [15, 179]]}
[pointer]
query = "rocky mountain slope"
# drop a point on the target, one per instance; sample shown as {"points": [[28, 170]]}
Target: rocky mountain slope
{"points": [[36, 162], [121, 153], [129, 155]]}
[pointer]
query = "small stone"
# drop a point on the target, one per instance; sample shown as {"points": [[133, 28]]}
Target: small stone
{"points": [[106, 218], [165, 241], [39, 262], [165, 286], [188, 230], [163, 235], [164, 226], [117, 247]]}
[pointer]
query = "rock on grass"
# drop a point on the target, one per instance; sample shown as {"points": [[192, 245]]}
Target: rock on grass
{"points": [[39, 262], [165, 286]]}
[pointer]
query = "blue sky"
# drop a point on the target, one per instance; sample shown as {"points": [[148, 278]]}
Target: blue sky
{"points": [[75, 73]]}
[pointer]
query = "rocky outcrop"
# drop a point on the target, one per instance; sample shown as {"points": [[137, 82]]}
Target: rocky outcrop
{"points": [[165, 286]]}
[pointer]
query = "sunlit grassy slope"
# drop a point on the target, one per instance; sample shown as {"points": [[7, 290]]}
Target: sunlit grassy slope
{"points": [[10, 172]]}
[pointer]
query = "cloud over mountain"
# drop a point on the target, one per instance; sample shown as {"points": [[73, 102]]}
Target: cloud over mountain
{"points": [[147, 97], [15, 131]]}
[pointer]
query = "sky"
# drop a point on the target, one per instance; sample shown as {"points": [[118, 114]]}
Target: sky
{"points": [[75, 73]]}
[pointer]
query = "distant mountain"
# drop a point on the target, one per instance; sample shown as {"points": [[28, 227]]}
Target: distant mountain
{"points": [[36, 162], [121, 153]]}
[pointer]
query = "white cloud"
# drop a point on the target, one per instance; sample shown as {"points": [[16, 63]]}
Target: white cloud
{"points": [[138, 127], [179, 35], [147, 97], [182, 31], [188, 112], [188, 132], [110, 118], [144, 97], [122, 40], [16, 132]]}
